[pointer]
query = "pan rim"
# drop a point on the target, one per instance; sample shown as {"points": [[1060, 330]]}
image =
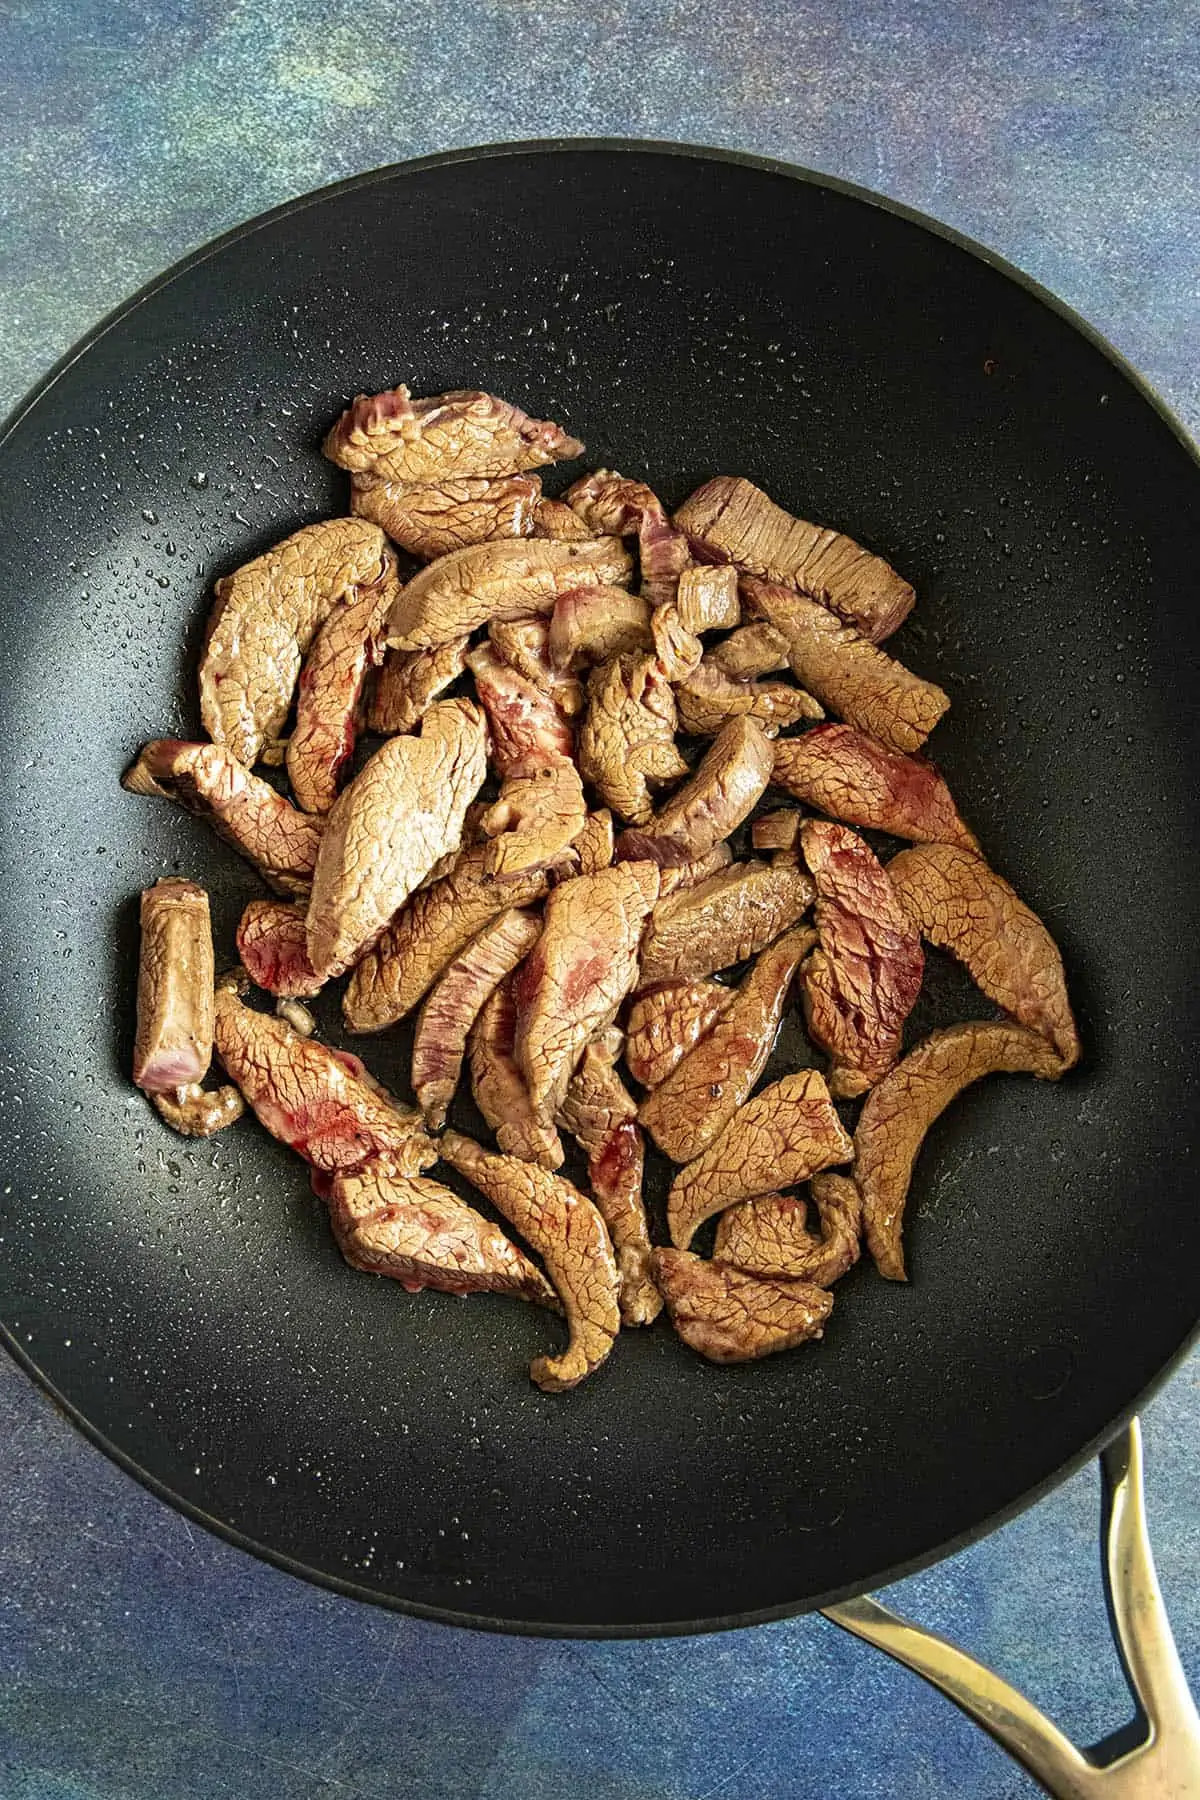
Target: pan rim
{"points": [[25, 407]]}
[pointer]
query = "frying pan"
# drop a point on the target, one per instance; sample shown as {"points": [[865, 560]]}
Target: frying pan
{"points": [[687, 313]]}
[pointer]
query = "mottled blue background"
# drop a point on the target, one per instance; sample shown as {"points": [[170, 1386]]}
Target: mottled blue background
{"points": [[141, 1659]]}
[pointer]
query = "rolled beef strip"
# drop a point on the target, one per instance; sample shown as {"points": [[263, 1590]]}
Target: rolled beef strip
{"points": [[846, 774], [724, 790], [730, 1317], [770, 1236], [708, 698], [174, 1042]]}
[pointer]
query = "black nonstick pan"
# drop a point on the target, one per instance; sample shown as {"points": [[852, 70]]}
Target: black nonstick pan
{"points": [[686, 313]]}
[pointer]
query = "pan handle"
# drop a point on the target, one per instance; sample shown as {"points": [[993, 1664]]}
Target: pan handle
{"points": [[1157, 1757]]}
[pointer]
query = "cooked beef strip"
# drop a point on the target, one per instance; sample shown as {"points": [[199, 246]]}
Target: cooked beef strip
{"points": [[423, 1236], [452, 1006], [627, 739], [610, 502], [395, 438], [403, 810], [770, 1236], [732, 519], [524, 644], [708, 698], [568, 1233], [348, 645], [266, 616], [863, 982], [590, 625], [541, 809], [281, 842], [526, 726], [174, 1041], [730, 1317], [273, 946], [846, 774], [663, 555], [708, 598], [898, 1113], [677, 649], [959, 904], [785, 1134], [432, 521], [665, 1022], [691, 874], [692, 1106], [597, 1100], [847, 673], [319, 1101], [723, 791], [721, 921], [555, 519], [573, 981], [427, 934], [197, 1112], [594, 845], [777, 830], [750, 651], [499, 1086], [410, 680], [504, 580]]}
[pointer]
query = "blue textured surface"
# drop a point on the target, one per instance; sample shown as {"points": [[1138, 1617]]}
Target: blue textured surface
{"points": [[139, 1658]]}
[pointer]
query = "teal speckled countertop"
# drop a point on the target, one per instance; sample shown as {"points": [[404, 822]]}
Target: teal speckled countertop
{"points": [[141, 1659]]}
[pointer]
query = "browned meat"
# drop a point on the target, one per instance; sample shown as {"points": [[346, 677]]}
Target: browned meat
{"points": [[678, 650], [432, 521], [724, 790], [627, 740], [198, 1112], [451, 1007], [348, 645], [721, 921], [708, 598], [541, 809], [266, 616], [281, 842], [691, 874], [846, 774], [423, 1236], [784, 1135], [319, 1101], [750, 651], [733, 519], [690, 1109], [568, 1233], [847, 673], [273, 945], [863, 982], [610, 502], [594, 845], [504, 580], [770, 1235], [663, 555], [555, 519], [527, 728], [395, 438], [403, 810], [730, 1317], [589, 625], [961, 905], [584, 964], [174, 1041], [708, 698], [665, 1022], [524, 644], [429, 932], [499, 1086], [410, 680], [777, 830], [898, 1113]]}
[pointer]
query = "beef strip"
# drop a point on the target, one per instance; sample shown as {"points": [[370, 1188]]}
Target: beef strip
{"points": [[724, 790], [432, 521], [708, 699], [197, 1112], [403, 810], [392, 437], [863, 982], [568, 1233], [777, 830], [962, 906], [691, 874], [846, 774], [541, 809], [590, 625], [246, 811], [504, 580], [770, 1236], [266, 616], [427, 934], [527, 728], [665, 1022], [898, 1113], [678, 651], [555, 519], [722, 920], [499, 1086], [784, 1135], [348, 645], [847, 673], [690, 1109], [610, 502], [452, 1006], [594, 845], [573, 981], [730, 1317], [273, 946], [173, 1045], [410, 680], [707, 598], [751, 651], [423, 1236], [733, 520], [524, 644], [627, 740]]}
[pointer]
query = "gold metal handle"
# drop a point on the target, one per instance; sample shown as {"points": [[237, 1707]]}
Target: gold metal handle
{"points": [[1164, 1760]]}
